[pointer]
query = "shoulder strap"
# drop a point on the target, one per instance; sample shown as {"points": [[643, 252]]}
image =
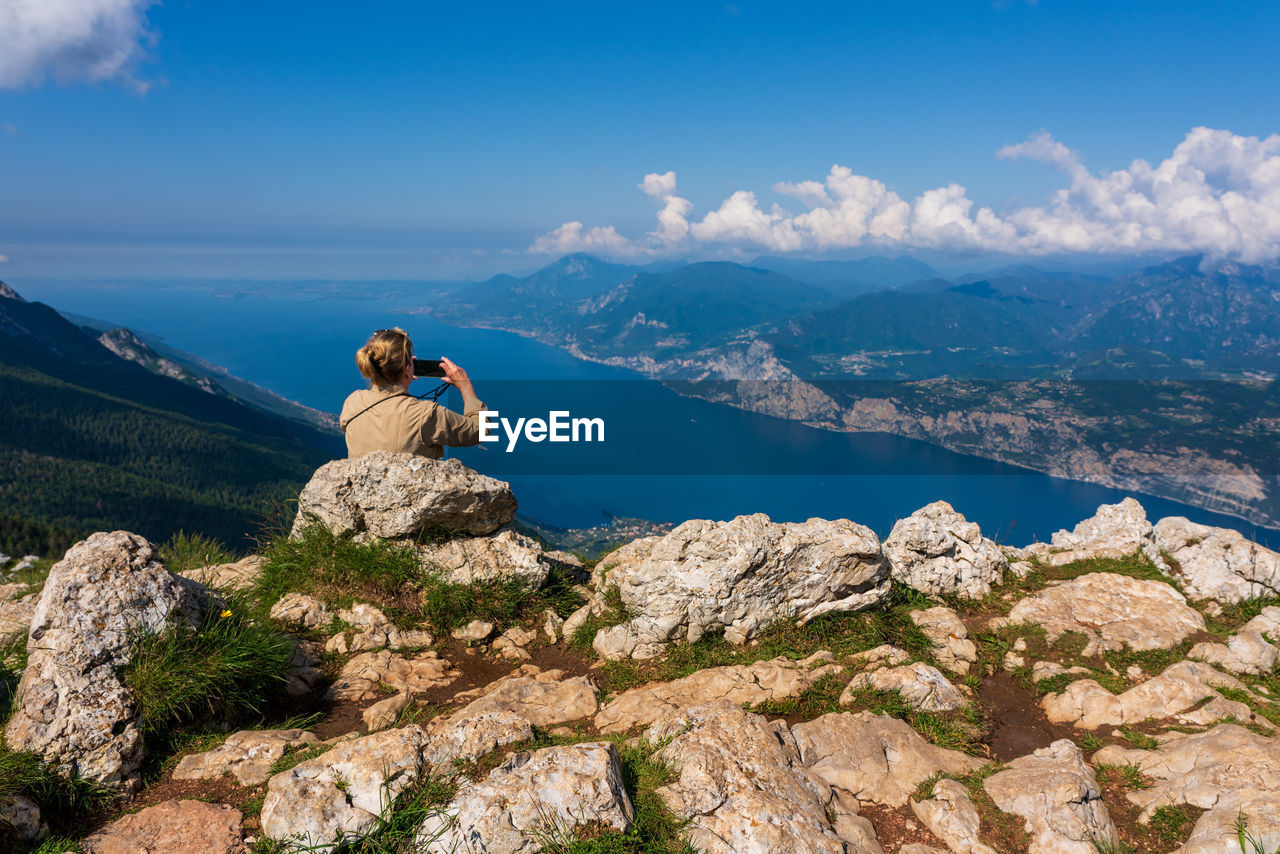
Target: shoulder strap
{"points": [[375, 403]]}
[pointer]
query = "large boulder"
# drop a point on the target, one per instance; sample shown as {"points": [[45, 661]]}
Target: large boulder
{"points": [[71, 707], [1115, 530], [877, 759], [1057, 794], [949, 637], [397, 496], [531, 797], [937, 551], [1252, 649], [246, 755], [743, 684], [1112, 611], [371, 675], [338, 796], [951, 816], [737, 576], [740, 783], [1218, 563], [922, 686], [506, 554], [1225, 771]]}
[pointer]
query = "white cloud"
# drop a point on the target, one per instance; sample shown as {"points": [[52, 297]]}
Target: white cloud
{"points": [[72, 40], [4, 259], [1218, 193]]}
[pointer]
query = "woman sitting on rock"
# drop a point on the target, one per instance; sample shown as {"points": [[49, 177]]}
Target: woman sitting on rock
{"points": [[385, 417]]}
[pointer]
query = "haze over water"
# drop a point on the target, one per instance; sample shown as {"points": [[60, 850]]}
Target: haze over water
{"points": [[301, 346]]}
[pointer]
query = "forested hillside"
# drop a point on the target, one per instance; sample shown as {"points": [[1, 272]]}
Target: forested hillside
{"points": [[94, 442]]}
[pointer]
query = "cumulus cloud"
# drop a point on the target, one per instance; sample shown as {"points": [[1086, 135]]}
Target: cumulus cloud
{"points": [[1218, 193], [73, 41]]}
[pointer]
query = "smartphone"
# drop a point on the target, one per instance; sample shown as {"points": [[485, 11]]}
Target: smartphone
{"points": [[427, 368]]}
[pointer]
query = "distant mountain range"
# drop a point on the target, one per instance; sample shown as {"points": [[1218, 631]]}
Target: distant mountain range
{"points": [[1063, 372], [102, 432]]}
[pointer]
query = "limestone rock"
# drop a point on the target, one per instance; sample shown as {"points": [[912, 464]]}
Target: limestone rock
{"points": [[921, 685], [338, 795], [171, 826], [505, 554], [363, 677], [373, 631], [247, 756], [741, 784], [16, 614], [384, 713], [20, 819], [505, 711], [937, 551], [229, 576], [570, 564], [398, 496], [750, 684], [1116, 530], [885, 655], [877, 759], [1226, 771], [552, 625], [1058, 795], [549, 792], [1218, 563], [1176, 693], [1110, 610], [949, 637], [952, 817], [71, 707], [1249, 650], [594, 607], [738, 576], [304, 670], [1043, 670], [473, 632], [301, 610]]}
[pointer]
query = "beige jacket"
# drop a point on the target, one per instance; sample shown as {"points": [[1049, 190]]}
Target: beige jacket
{"points": [[406, 424]]}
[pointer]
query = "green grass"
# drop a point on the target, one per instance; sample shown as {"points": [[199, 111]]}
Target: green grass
{"points": [[1129, 776], [1090, 742], [962, 730], [1140, 740], [184, 552], [1249, 844], [615, 614], [1172, 824], [1265, 710], [339, 571], [842, 634], [68, 804], [229, 668]]}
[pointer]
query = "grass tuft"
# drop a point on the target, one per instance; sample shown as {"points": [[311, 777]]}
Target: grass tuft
{"points": [[184, 552]]}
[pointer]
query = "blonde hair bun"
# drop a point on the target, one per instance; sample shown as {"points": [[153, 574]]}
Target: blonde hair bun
{"points": [[384, 356]]}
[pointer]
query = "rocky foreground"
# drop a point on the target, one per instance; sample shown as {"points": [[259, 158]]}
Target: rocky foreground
{"points": [[739, 686]]}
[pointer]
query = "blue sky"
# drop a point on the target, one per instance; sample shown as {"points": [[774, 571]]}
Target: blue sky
{"points": [[422, 140]]}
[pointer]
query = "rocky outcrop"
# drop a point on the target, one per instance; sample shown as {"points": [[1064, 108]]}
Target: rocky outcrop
{"points": [[169, 827], [1225, 771], [16, 611], [246, 756], [1058, 795], [1218, 563], [370, 675], [949, 637], [71, 707], [737, 576], [505, 554], [951, 816], [1111, 611], [337, 796], [299, 609], [400, 496], [1252, 649], [938, 552], [1177, 693], [922, 686], [20, 821], [876, 759], [506, 711], [1116, 530], [532, 797], [740, 783], [743, 685], [371, 630]]}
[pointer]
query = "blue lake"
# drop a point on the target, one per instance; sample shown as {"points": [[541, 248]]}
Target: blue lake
{"points": [[665, 457]]}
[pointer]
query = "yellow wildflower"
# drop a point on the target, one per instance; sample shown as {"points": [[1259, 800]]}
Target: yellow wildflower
{"points": [[226, 613]]}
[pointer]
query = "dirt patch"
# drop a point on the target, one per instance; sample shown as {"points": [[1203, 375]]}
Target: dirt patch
{"points": [[898, 827], [1017, 723]]}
